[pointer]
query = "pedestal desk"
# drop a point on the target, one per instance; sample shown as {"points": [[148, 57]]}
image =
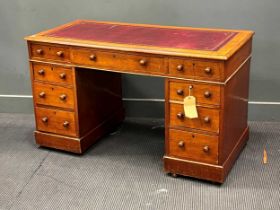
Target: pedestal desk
{"points": [[76, 80]]}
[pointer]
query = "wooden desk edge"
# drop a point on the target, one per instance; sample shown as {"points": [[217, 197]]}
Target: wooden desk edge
{"points": [[222, 54]]}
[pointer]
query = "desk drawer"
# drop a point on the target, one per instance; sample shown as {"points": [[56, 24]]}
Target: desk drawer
{"points": [[53, 95], [195, 69], [208, 119], [204, 93], [193, 146], [50, 52], [118, 61], [181, 68], [207, 70], [56, 121], [53, 73]]}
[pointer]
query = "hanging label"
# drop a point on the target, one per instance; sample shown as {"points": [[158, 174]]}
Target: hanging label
{"points": [[190, 107]]}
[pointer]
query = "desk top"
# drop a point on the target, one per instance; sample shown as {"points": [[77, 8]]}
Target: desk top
{"points": [[170, 40]]}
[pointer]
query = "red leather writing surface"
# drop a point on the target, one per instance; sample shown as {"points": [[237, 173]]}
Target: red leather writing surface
{"points": [[149, 36]]}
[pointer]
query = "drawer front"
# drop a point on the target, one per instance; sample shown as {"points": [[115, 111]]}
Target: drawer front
{"points": [[208, 119], [118, 61], [53, 73], [195, 69], [53, 95], [207, 70], [193, 146], [50, 52], [56, 121], [204, 93], [181, 68]]}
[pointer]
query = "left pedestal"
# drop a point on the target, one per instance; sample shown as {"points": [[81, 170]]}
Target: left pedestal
{"points": [[74, 107]]}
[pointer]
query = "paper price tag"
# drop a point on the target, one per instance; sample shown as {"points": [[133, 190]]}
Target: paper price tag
{"points": [[190, 107]]}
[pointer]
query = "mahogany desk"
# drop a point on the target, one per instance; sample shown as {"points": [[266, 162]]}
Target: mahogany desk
{"points": [[75, 73]]}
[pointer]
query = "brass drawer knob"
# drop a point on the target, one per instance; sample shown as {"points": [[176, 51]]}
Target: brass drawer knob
{"points": [[207, 119], [206, 149], [41, 72], [44, 119], [62, 97], [143, 62], [180, 115], [208, 70], [180, 92], [181, 144], [42, 95], [62, 76], [207, 94], [180, 67], [39, 51], [60, 53], [92, 57], [66, 124]]}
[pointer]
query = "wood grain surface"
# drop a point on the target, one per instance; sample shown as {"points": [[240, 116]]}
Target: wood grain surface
{"points": [[76, 71]]}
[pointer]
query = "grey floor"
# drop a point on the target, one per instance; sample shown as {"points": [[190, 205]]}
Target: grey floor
{"points": [[124, 171]]}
